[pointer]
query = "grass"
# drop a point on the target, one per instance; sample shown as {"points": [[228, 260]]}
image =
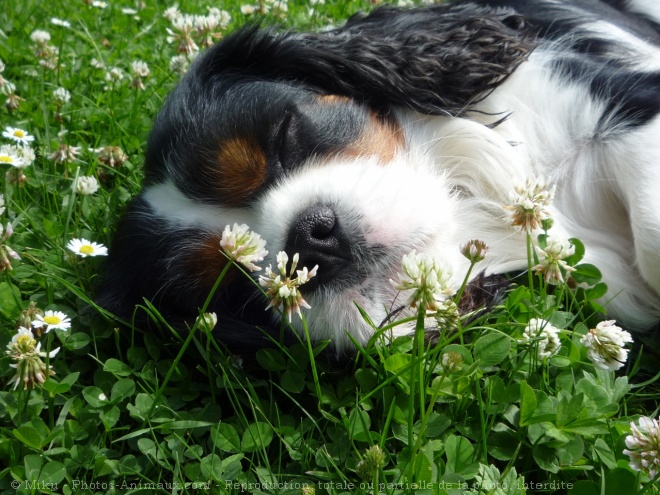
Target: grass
{"points": [[165, 411]]}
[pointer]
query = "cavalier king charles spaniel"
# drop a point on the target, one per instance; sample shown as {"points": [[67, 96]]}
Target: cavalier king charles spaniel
{"points": [[403, 130]]}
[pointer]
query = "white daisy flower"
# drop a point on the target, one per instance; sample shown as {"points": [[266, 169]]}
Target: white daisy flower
{"points": [[605, 345], [9, 156], [26, 354], [544, 336], [18, 135], [85, 248], [52, 320]]}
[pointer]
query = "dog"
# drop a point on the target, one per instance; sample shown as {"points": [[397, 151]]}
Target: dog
{"points": [[402, 130]]}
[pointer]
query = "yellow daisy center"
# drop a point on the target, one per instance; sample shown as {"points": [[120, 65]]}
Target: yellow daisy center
{"points": [[19, 133], [6, 159], [86, 249], [52, 320]]}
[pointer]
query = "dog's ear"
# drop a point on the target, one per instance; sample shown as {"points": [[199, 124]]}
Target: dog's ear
{"points": [[437, 59]]}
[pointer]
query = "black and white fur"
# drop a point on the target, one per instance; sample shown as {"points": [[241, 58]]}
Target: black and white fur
{"points": [[402, 130]]}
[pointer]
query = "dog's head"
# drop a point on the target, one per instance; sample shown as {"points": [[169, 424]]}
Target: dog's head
{"points": [[303, 138]]}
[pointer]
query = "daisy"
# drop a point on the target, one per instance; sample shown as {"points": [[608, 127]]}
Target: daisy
{"points": [[84, 248], [18, 135], [52, 320], [9, 156], [27, 354]]}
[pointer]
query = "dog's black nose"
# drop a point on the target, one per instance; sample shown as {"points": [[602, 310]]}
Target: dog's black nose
{"points": [[317, 236]]}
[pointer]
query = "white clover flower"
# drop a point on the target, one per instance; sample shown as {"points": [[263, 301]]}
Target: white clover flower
{"points": [[184, 27], [207, 321], [85, 185], [27, 354], [224, 18], [605, 345], [552, 260], [452, 362], [52, 320], [179, 64], [530, 203], [60, 22], [6, 252], [243, 246], [113, 156], [282, 289], [65, 153], [40, 37], [61, 96], [18, 135], [172, 13], [97, 64], [26, 154], [114, 75], [85, 248], [474, 250], [643, 446], [9, 155], [429, 279], [248, 9], [544, 336], [373, 460], [140, 68], [7, 87]]}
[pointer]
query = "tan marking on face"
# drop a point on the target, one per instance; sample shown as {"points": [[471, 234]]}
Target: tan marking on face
{"points": [[382, 136], [206, 261], [242, 169]]}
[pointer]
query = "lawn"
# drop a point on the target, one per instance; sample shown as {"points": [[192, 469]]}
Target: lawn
{"points": [[521, 399]]}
